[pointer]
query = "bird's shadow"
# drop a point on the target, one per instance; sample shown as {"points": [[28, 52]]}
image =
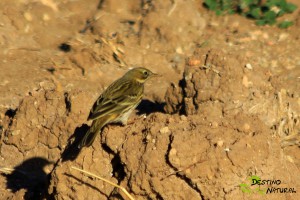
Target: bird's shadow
{"points": [[29, 175], [72, 150], [147, 107]]}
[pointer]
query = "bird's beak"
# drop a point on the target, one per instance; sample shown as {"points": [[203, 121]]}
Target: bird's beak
{"points": [[155, 75]]}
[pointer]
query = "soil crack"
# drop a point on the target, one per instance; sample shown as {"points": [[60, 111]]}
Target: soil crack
{"points": [[183, 177], [117, 164], [68, 103]]}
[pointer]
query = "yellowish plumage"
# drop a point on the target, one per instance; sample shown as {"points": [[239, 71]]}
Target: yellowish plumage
{"points": [[117, 102]]}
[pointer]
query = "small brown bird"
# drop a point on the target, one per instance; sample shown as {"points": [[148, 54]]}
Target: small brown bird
{"points": [[117, 102]]}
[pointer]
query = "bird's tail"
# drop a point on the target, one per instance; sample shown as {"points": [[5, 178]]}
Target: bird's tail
{"points": [[91, 134]]}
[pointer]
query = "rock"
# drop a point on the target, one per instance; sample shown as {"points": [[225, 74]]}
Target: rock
{"points": [[164, 130], [248, 66], [220, 143]]}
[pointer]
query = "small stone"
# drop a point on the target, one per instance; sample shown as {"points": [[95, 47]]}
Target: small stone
{"points": [[249, 66], [251, 134], [235, 24], [28, 16], [220, 143], [283, 36], [246, 127], [177, 58], [46, 17], [148, 137], [290, 159], [15, 132], [274, 63], [214, 124], [214, 23], [183, 118], [246, 82], [227, 149], [194, 62], [164, 130], [188, 171], [173, 152], [257, 94], [209, 176], [170, 120], [47, 85], [179, 50], [283, 92], [265, 35]]}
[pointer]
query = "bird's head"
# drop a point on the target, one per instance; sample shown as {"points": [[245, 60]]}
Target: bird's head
{"points": [[140, 74]]}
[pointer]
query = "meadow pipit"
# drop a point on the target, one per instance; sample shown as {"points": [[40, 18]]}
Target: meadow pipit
{"points": [[117, 102]]}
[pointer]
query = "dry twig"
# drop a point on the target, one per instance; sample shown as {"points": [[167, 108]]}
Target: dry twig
{"points": [[105, 180]]}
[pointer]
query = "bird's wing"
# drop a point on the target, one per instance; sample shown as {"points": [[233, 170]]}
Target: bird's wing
{"points": [[114, 101]]}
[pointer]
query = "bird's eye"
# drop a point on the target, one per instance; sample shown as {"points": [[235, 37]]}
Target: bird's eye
{"points": [[146, 73]]}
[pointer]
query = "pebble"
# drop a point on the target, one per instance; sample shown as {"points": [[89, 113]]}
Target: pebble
{"points": [[177, 58], [209, 176], [248, 66], [183, 118], [220, 143], [246, 127], [148, 137], [251, 134], [46, 17], [283, 36], [170, 120], [188, 171], [28, 16], [47, 85], [214, 124], [179, 50], [257, 94], [194, 62], [246, 82], [265, 35], [164, 130], [290, 159], [173, 152], [15, 132]]}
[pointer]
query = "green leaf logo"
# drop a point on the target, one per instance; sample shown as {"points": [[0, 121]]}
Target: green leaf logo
{"points": [[245, 188]]}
